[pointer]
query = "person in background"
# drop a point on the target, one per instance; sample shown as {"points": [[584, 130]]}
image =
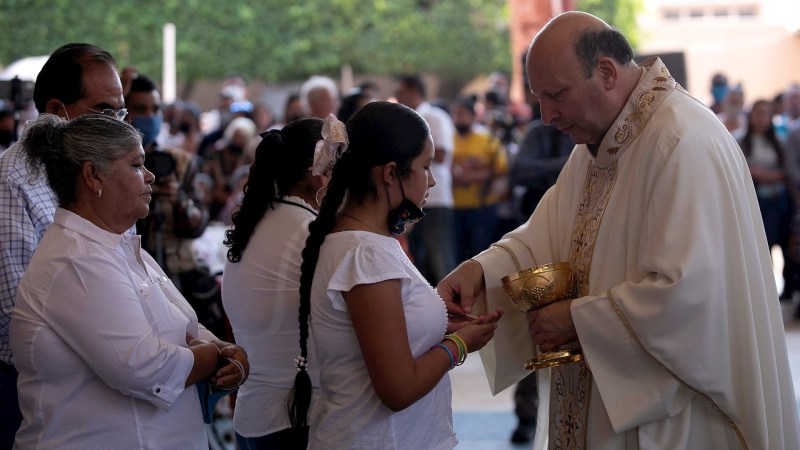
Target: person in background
{"points": [[767, 162], [352, 102], [77, 79], [319, 97], [781, 132], [543, 151], [370, 88], [378, 328], [108, 351], [222, 163], [792, 254], [292, 109], [262, 116], [733, 115], [719, 90], [479, 175], [675, 307], [432, 242], [8, 131], [261, 280], [184, 126]]}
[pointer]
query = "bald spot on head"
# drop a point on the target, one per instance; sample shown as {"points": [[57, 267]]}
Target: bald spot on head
{"points": [[555, 42]]}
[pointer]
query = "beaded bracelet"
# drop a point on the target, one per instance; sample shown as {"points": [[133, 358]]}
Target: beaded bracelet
{"points": [[449, 353], [462, 347]]}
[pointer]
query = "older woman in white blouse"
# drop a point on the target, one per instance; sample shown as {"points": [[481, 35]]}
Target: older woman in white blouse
{"points": [[107, 350]]}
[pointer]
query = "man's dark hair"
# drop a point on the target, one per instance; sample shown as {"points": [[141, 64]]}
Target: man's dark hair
{"points": [[143, 83], [592, 44], [414, 82], [61, 76]]}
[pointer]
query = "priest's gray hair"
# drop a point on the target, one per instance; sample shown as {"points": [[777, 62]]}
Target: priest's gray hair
{"points": [[594, 43]]}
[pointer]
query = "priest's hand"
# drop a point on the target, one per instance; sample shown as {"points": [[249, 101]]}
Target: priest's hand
{"points": [[461, 288], [552, 326]]}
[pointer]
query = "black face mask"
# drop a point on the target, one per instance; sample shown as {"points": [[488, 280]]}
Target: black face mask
{"points": [[405, 213], [463, 130]]}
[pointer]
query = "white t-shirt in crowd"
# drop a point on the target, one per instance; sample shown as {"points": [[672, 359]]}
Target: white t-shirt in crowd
{"points": [[99, 339], [442, 132], [349, 414], [261, 298]]}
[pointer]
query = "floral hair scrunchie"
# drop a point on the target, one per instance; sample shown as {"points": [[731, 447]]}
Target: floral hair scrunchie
{"points": [[334, 142]]}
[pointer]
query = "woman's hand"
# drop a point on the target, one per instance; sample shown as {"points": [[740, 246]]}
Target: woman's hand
{"points": [[235, 367], [206, 356], [480, 330], [460, 290]]}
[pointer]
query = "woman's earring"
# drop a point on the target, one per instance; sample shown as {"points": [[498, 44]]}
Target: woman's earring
{"points": [[317, 195], [100, 193]]}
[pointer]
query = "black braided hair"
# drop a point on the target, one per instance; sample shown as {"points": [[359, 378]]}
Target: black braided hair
{"points": [[379, 133], [282, 161]]}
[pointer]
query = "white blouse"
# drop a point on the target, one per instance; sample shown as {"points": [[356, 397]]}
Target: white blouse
{"points": [[349, 413], [261, 297], [99, 339]]}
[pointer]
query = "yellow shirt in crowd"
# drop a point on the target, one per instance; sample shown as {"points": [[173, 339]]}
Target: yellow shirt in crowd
{"points": [[474, 153]]}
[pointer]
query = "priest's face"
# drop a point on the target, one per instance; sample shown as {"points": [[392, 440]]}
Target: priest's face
{"points": [[573, 103]]}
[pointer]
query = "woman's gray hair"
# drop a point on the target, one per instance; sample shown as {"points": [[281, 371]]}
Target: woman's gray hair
{"points": [[60, 147]]}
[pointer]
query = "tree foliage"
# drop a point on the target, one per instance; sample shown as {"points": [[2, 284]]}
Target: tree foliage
{"points": [[619, 13], [272, 40]]}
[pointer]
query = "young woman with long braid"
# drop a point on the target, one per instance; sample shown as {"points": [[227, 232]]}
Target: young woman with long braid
{"points": [[262, 276], [378, 327]]}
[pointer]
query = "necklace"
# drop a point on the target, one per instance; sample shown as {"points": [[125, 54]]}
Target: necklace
{"points": [[360, 221]]}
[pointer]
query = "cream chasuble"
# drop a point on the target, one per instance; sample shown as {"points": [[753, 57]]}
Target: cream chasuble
{"points": [[677, 310]]}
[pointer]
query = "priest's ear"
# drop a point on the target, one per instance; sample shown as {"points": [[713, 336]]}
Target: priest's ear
{"points": [[608, 70]]}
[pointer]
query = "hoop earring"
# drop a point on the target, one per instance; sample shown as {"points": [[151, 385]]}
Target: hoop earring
{"points": [[316, 196]]}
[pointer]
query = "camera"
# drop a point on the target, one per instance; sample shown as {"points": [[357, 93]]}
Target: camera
{"points": [[161, 164]]}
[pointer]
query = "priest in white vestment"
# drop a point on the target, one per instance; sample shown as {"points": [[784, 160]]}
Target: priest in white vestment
{"points": [[677, 311]]}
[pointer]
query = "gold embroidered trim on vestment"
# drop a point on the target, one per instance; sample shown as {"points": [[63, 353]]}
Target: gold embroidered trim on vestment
{"points": [[571, 384]]}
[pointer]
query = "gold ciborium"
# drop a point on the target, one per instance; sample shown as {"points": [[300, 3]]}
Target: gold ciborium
{"points": [[535, 288]]}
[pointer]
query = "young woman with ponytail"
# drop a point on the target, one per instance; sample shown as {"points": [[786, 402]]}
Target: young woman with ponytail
{"points": [[262, 276], [378, 327]]}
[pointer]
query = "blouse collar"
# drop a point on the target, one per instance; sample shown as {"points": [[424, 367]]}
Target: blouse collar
{"points": [[78, 224]]}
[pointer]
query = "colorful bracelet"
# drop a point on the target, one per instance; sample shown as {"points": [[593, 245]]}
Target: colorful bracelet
{"points": [[449, 353], [462, 347]]}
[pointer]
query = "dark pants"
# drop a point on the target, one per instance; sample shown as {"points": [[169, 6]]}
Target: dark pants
{"points": [[10, 416], [288, 439], [474, 230], [526, 401]]}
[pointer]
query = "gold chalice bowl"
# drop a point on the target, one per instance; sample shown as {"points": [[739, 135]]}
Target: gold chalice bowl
{"points": [[538, 287]]}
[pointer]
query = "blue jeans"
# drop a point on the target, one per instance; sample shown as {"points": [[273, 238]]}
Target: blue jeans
{"points": [[288, 439], [432, 244], [10, 416]]}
